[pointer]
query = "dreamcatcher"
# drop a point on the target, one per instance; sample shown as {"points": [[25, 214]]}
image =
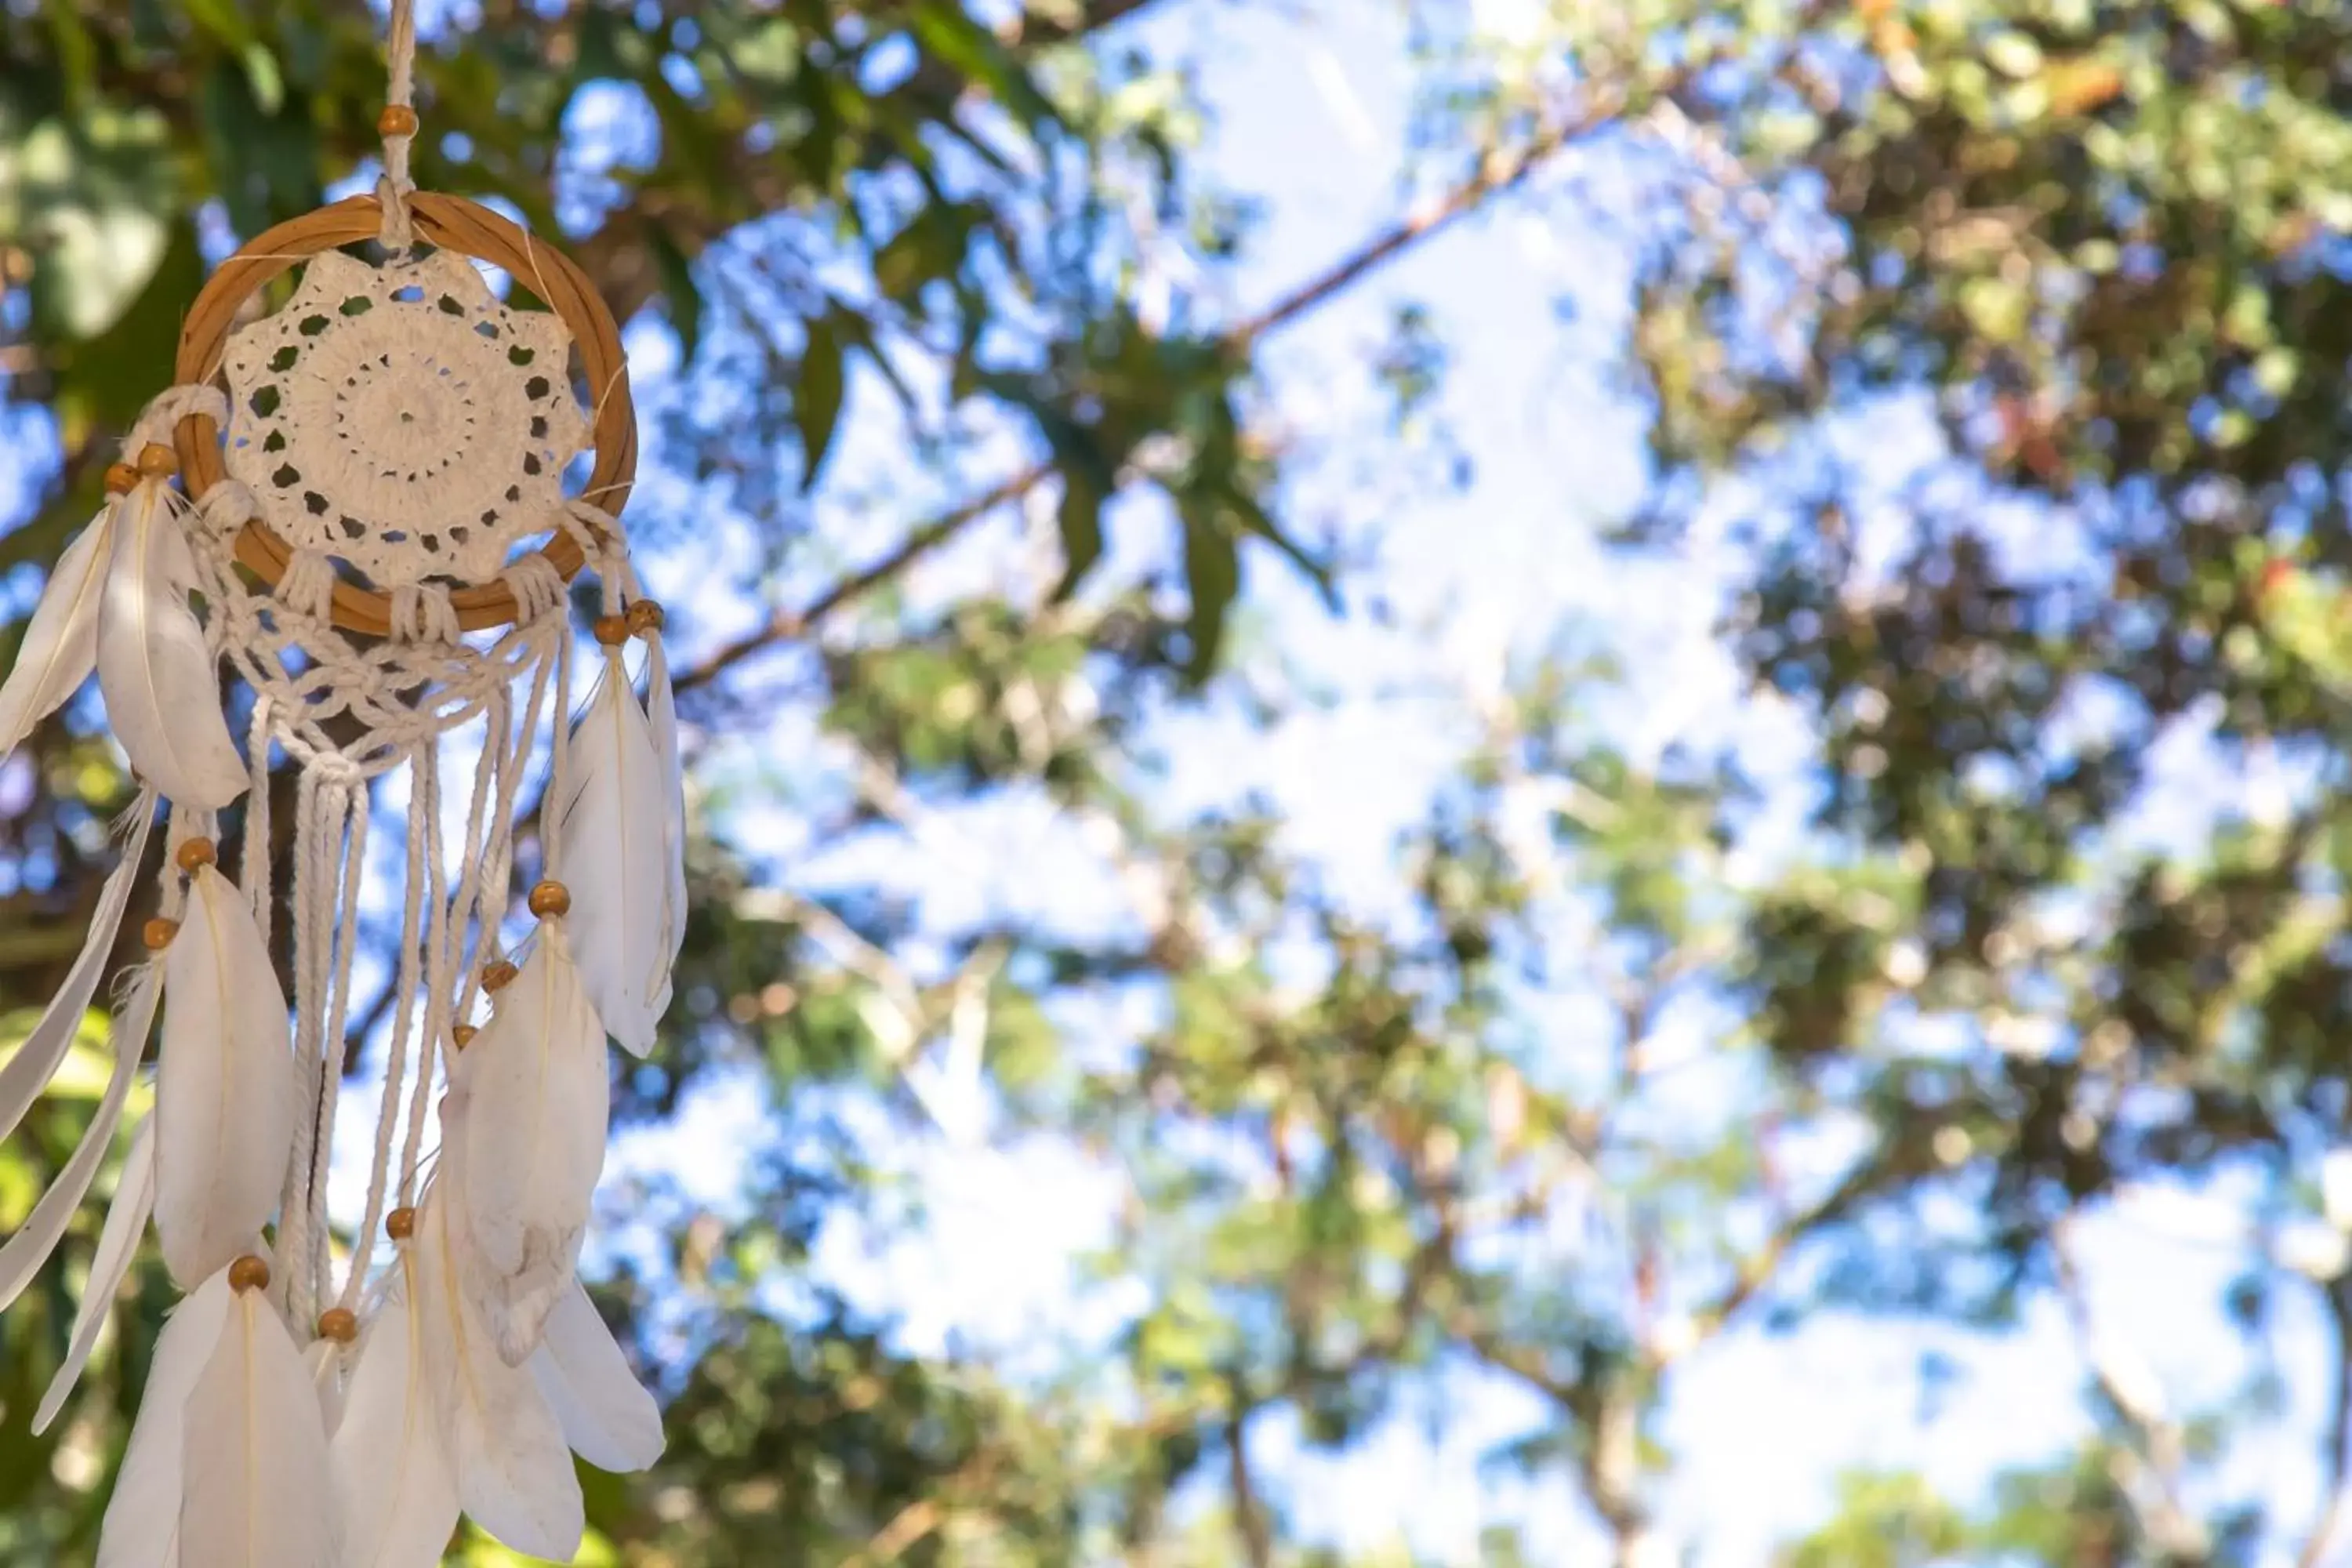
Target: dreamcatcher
{"points": [[362, 471]]}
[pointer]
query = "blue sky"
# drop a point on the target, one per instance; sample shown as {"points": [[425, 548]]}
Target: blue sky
{"points": [[1308, 118]]}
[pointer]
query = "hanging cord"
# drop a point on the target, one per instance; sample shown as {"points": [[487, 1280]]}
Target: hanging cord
{"points": [[354, 807], [330, 806], [294, 1205], [256, 868], [559, 774], [417, 956], [398, 126]]}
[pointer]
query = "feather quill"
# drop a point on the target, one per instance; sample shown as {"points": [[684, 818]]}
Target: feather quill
{"points": [[661, 723], [258, 1492], [515, 1476], [118, 1243], [60, 646], [30, 1247], [534, 1143], [142, 1518], [612, 823], [225, 1087], [607, 1415], [323, 1361], [163, 698], [395, 1495], [28, 1070]]}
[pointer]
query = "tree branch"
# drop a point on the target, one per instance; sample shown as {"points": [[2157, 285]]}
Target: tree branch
{"points": [[2339, 1428], [1499, 174], [2131, 1387], [1249, 1512]]}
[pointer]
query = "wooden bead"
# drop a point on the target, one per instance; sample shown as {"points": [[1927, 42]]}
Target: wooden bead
{"points": [[464, 1035], [159, 933], [156, 460], [646, 618], [612, 630], [248, 1273], [121, 478], [338, 1323], [398, 119], [196, 854], [400, 1223], [498, 976], [550, 900]]}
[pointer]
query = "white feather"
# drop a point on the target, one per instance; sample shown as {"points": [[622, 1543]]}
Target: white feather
{"points": [[224, 1088], [118, 1243], [323, 1360], [395, 1495], [612, 824], [30, 1247], [27, 1072], [258, 1492], [60, 646], [661, 723], [162, 696], [515, 1476], [534, 1141], [142, 1518], [607, 1415]]}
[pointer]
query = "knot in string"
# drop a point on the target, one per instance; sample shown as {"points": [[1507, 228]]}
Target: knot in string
{"points": [[309, 585], [159, 422], [422, 611], [537, 586], [227, 507]]}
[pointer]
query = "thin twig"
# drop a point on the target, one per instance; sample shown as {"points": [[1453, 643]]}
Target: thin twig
{"points": [[787, 624]]}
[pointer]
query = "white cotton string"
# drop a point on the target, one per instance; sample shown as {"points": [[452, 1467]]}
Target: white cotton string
{"points": [[225, 508], [489, 823], [536, 584], [294, 1277], [489, 898], [422, 611], [354, 805], [424, 808], [159, 423], [438, 945], [308, 583], [559, 780], [326, 885], [393, 190], [255, 874]]}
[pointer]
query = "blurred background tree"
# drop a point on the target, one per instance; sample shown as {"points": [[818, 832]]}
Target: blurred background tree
{"points": [[1986, 362]]}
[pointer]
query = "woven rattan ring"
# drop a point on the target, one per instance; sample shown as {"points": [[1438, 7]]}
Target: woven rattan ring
{"points": [[453, 224]]}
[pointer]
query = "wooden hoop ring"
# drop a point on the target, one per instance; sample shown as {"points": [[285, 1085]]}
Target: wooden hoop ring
{"points": [[453, 223]]}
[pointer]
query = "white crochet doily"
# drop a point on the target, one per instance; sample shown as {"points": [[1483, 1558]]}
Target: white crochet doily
{"points": [[400, 418]]}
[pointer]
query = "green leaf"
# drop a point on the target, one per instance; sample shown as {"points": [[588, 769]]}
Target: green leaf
{"points": [[1254, 519], [953, 38], [77, 57], [678, 286], [1080, 518], [817, 405], [107, 381], [930, 246], [265, 161], [223, 19], [857, 332], [97, 197], [1212, 572]]}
